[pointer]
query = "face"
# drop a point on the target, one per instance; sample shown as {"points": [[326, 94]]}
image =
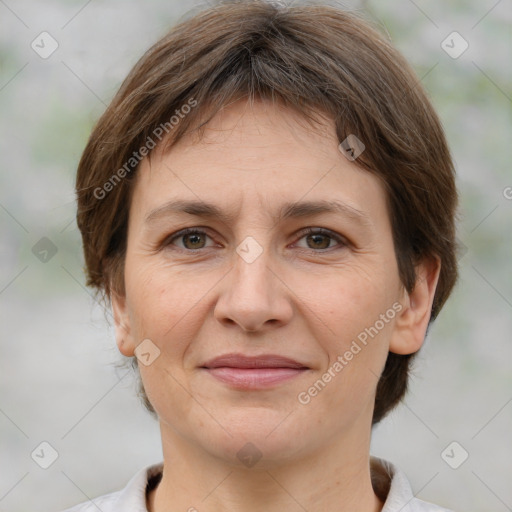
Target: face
{"points": [[289, 272]]}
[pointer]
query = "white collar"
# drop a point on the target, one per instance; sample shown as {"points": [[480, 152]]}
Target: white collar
{"points": [[389, 483]]}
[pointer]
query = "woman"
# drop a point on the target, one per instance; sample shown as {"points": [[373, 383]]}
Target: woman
{"points": [[268, 203]]}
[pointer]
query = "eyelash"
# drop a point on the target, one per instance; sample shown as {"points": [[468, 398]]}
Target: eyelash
{"points": [[308, 231]]}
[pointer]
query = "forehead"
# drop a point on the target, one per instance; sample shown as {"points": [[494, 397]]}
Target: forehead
{"points": [[263, 156]]}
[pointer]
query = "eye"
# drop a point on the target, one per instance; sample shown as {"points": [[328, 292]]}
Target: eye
{"points": [[320, 238], [195, 239], [192, 238]]}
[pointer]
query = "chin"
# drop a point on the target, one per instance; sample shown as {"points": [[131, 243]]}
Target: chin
{"points": [[260, 437]]}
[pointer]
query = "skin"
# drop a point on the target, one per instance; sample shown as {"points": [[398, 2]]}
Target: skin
{"points": [[303, 297]]}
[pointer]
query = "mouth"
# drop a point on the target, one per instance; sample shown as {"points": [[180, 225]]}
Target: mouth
{"points": [[256, 372]]}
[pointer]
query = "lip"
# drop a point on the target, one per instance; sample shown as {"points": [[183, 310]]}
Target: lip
{"points": [[253, 372], [262, 361]]}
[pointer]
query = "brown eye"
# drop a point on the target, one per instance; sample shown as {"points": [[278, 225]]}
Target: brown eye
{"points": [[321, 239], [192, 239], [196, 241]]}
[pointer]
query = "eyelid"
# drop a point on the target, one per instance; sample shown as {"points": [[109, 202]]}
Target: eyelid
{"points": [[341, 240], [186, 231]]}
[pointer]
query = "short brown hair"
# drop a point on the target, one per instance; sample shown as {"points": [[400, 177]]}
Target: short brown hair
{"points": [[311, 58]]}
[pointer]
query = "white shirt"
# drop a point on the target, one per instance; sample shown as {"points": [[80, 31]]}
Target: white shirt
{"points": [[399, 497]]}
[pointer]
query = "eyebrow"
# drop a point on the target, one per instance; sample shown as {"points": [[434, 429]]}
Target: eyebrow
{"points": [[287, 211]]}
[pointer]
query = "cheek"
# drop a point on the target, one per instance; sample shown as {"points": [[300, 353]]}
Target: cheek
{"points": [[358, 314], [148, 298], [163, 309], [158, 297], [351, 300]]}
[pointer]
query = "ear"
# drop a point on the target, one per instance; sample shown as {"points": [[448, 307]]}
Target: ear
{"points": [[412, 321], [124, 338]]}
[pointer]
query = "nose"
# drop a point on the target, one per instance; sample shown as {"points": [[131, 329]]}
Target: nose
{"points": [[254, 296]]}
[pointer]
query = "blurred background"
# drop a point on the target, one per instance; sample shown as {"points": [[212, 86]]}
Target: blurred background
{"points": [[60, 64]]}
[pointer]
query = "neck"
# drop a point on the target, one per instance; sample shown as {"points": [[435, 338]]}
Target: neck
{"points": [[336, 479]]}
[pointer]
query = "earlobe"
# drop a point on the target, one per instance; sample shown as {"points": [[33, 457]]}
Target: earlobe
{"points": [[412, 322], [122, 327]]}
